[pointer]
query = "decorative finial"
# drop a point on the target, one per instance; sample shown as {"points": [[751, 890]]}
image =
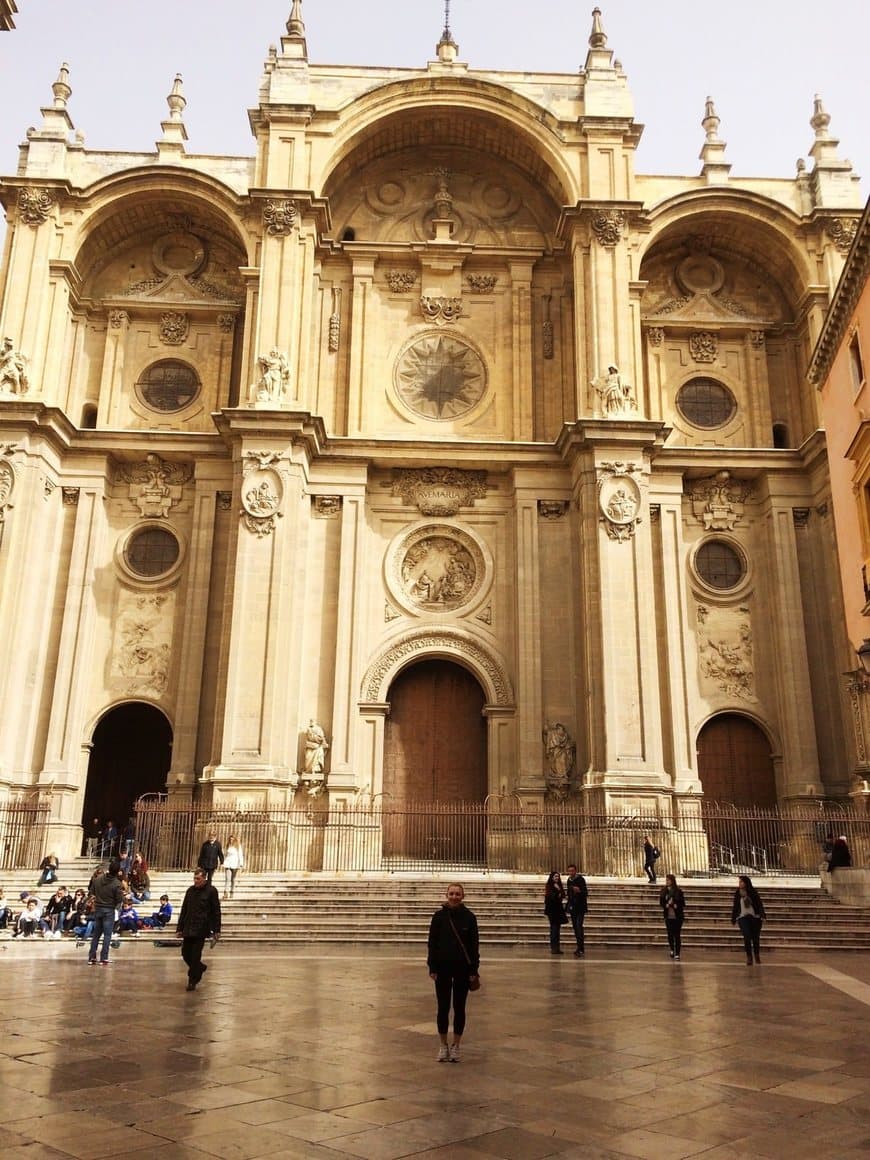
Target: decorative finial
{"points": [[800, 166], [715, 167], [820, 119], [296, 25], [710, 123], [176, 99], [61, 88], [597, 38], [447, 48]]}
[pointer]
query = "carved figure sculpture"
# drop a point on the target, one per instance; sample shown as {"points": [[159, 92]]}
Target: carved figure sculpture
{"points": [[274, 376], [316, 746], [13, 373], [617, 396], [560, 752]]}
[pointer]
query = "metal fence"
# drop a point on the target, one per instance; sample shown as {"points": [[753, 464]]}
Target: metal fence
{"points": [[499, 835], [23, 833]]}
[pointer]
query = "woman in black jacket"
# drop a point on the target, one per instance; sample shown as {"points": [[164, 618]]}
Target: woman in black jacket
{"points": [[747, 911], [453, 961], [673, 904], [554, 908]]}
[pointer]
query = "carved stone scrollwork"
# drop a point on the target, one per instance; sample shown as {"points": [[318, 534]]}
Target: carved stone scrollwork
{"points": [[441, 309], [800, 518], [703, 346], [174, 326], [7, 486], [34, 206], [224, 500], [226, 323], [143, 643], [547, 328], [118, 318], [155, 485], [262, 493], [607, 226], [656, 335], [441, 642], [439, 491], [725, 650], [335, 320], [70, 496], [552, 509], [279, 217], [482, 283], [401, 281], [326, 507], [619, 499], [757, 339], [718, 500], [842, 233]]}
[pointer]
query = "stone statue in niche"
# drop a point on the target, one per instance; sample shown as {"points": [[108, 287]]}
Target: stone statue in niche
{"points": [[274, 377], [13, 370], [438, 573], [560, 751], [312, 777], [617, 396]]}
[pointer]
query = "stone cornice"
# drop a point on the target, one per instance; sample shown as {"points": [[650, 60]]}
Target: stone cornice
{"points": [[849, 289]]}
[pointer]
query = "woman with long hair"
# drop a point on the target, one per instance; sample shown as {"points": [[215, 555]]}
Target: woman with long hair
{"points": [[554, 908], [747, 911], [453, 959], [234, 860], [673, 904]]}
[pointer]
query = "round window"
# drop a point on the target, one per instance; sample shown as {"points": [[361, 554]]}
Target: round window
{"points": [[719, 565], [151, 552], [706, 403], [168, 385]]}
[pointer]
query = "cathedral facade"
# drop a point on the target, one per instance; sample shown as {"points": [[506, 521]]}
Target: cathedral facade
{"points": [[431, 454]]}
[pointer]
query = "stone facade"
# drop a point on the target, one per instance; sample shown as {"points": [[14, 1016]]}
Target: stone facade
{"points": [[435, 375]]}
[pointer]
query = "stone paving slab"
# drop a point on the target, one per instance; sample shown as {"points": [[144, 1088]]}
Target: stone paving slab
{"points": [[313, 1054]]}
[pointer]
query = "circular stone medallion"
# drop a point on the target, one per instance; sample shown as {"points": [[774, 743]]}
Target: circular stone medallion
{"points": [[436, 568], [438, 376]]}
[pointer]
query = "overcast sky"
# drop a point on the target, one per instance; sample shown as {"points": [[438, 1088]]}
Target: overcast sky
{"points": [[761, 61]]}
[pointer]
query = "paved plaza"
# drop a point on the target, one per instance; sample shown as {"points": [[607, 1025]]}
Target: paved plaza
{"points": [[316, 1054]]}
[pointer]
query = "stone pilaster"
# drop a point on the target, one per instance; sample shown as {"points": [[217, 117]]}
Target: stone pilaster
{"points": [[528, 649], [349, 624]]}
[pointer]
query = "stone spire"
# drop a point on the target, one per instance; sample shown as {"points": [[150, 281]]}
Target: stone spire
{"points": [[833, 182], [599, 55], [56, 120], [447, 49], [715, 168], [174, 132], [294, 45]]}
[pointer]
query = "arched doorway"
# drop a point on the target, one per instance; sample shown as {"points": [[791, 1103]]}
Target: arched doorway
{"points": [[130, 756], [734, 762], [435, 740]]}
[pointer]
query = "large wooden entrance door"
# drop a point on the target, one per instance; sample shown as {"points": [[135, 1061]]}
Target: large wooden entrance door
{"points": [[734, 762], [435, 742]]}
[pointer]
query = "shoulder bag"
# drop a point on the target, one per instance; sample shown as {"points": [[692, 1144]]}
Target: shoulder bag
{"points": [[474, 981]]}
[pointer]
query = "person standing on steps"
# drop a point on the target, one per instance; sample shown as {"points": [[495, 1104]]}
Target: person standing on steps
{"points": [[578, 904], [651, 854], [454, 960], [554, 908], [108, 898], [747, 911], [673, 904], [234, 860], [211, 855], [200, 919]]}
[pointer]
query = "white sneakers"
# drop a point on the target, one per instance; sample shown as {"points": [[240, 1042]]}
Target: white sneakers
{"points": [[443, 1053], [454, 1053]]}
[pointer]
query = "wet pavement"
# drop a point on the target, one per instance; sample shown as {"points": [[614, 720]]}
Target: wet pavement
{"points": [[332, 1053]]}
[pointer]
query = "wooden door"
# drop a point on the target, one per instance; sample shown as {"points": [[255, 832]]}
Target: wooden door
{"points": [[734, 762], [435, 743]]}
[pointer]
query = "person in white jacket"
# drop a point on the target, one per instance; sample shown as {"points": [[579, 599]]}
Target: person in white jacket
{"points": [[234, 860]]}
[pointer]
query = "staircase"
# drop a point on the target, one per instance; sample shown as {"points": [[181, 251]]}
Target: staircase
{"points": [[391, 910]]}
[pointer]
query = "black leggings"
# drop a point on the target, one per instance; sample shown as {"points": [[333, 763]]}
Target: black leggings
{"points": [[675, 938], [451, 982]]}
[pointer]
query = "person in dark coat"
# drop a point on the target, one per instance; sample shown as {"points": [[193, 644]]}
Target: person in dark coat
{"points": [[577, 905], [454, 960], [554, 908], [747, 911], [651, 854], [841, 855], [673, 904], [108, 899], [200, 918], [211, 855]]}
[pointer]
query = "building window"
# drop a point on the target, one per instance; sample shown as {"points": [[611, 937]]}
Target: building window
{"points": [[151, 552], [780, 436], [168, 385], [706, 403], [856, 363], [720, 565]]}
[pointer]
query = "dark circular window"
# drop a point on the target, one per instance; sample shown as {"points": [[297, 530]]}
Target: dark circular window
{"points": [[168, 385], [719, 565], [706, 403], [151, 552]]}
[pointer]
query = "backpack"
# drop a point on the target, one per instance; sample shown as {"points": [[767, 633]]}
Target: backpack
{"points": [[656, 852]]}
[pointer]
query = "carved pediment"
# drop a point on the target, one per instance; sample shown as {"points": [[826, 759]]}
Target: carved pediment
{"points": [[178, 288]]}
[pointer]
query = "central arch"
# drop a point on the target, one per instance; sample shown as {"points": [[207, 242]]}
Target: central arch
{"points": [[735, 762]]}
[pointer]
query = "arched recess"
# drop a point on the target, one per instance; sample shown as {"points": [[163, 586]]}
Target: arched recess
{"points": [[131, 752], [449, 643], [735, 762]]}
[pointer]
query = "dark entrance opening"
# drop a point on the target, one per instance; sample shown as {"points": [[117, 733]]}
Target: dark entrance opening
{"points": [[734, 762], [130, 756]]}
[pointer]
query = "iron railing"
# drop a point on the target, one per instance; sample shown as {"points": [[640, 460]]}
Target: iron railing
{"points": [[23, 833], [700, 839]]}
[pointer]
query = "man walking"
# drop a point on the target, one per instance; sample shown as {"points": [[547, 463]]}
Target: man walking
{"points": [[108, 897], [651, 854], [211, 855], [578, 904], [200, 919]]}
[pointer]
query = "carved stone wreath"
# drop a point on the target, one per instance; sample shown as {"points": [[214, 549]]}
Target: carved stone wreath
{"points": [[436, 568], [439, 376]]}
